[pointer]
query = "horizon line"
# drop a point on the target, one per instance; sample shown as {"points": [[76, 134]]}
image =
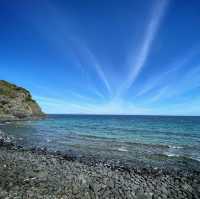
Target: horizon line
{"points": [[122, 114]]}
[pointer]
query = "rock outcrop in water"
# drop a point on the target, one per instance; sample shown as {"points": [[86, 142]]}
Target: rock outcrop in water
{"points": [[16, 103]]}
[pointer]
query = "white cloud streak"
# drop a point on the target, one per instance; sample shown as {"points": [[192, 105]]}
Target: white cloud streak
{"points": [[99, 70], [157, 15], [162, 92], [187, 83], [91, 61], [63, 36], [174, 67]]}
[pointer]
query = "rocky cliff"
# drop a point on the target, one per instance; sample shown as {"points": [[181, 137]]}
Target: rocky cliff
{"points": [[16, 103]]}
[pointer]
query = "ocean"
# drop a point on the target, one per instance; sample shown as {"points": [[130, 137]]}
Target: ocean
{"points": [[152, 140]]}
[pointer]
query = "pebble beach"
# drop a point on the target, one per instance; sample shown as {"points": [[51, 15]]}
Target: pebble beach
{"points": [[39, 174]]}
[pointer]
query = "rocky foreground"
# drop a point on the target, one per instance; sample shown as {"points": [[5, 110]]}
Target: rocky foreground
{"points": [[38, 174]]}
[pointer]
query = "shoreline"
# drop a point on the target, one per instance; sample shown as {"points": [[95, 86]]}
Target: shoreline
{"points": [[37, 173], [114, 164], [6, 119]]}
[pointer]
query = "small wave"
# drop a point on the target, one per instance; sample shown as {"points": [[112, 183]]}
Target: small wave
{"points": [[171, 154], [197, 159], [7, 122], [48, 140], [123, 149], [168, 154], [117, 140], [175, 147]]}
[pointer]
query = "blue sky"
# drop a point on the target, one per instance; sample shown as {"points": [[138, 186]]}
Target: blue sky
{"points": [[104, 57]]}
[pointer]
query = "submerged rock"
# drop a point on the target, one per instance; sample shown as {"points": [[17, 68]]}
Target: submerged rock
{"points": [[4, 137], [17, 103]]}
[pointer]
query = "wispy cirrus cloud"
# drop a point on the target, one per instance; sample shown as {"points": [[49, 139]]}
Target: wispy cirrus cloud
{"points": [[98, 69], [97, 93], [181, 86], [157, 88], [162, 92], [137, 65], [85, 55], [65, 41], [53, 105], [174, 67]]}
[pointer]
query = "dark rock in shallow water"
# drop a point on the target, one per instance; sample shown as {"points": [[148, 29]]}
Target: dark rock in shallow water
{"points": [[68, 157], [5, 140], [16, 103]]}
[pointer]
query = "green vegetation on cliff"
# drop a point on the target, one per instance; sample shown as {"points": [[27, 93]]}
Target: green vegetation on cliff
{"points": [[17, 103]]}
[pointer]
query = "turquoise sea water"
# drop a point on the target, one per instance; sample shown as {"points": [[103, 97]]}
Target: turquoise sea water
{"points": [[145, 138]]}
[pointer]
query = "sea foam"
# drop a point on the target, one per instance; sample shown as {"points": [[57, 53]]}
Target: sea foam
{"points": [[123, 149]]}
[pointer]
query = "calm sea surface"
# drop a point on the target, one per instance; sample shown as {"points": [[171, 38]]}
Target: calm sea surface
{"points": [[154, 139]]}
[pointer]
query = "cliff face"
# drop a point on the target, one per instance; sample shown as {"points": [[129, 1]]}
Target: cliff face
{"points": [[17, 103]]}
